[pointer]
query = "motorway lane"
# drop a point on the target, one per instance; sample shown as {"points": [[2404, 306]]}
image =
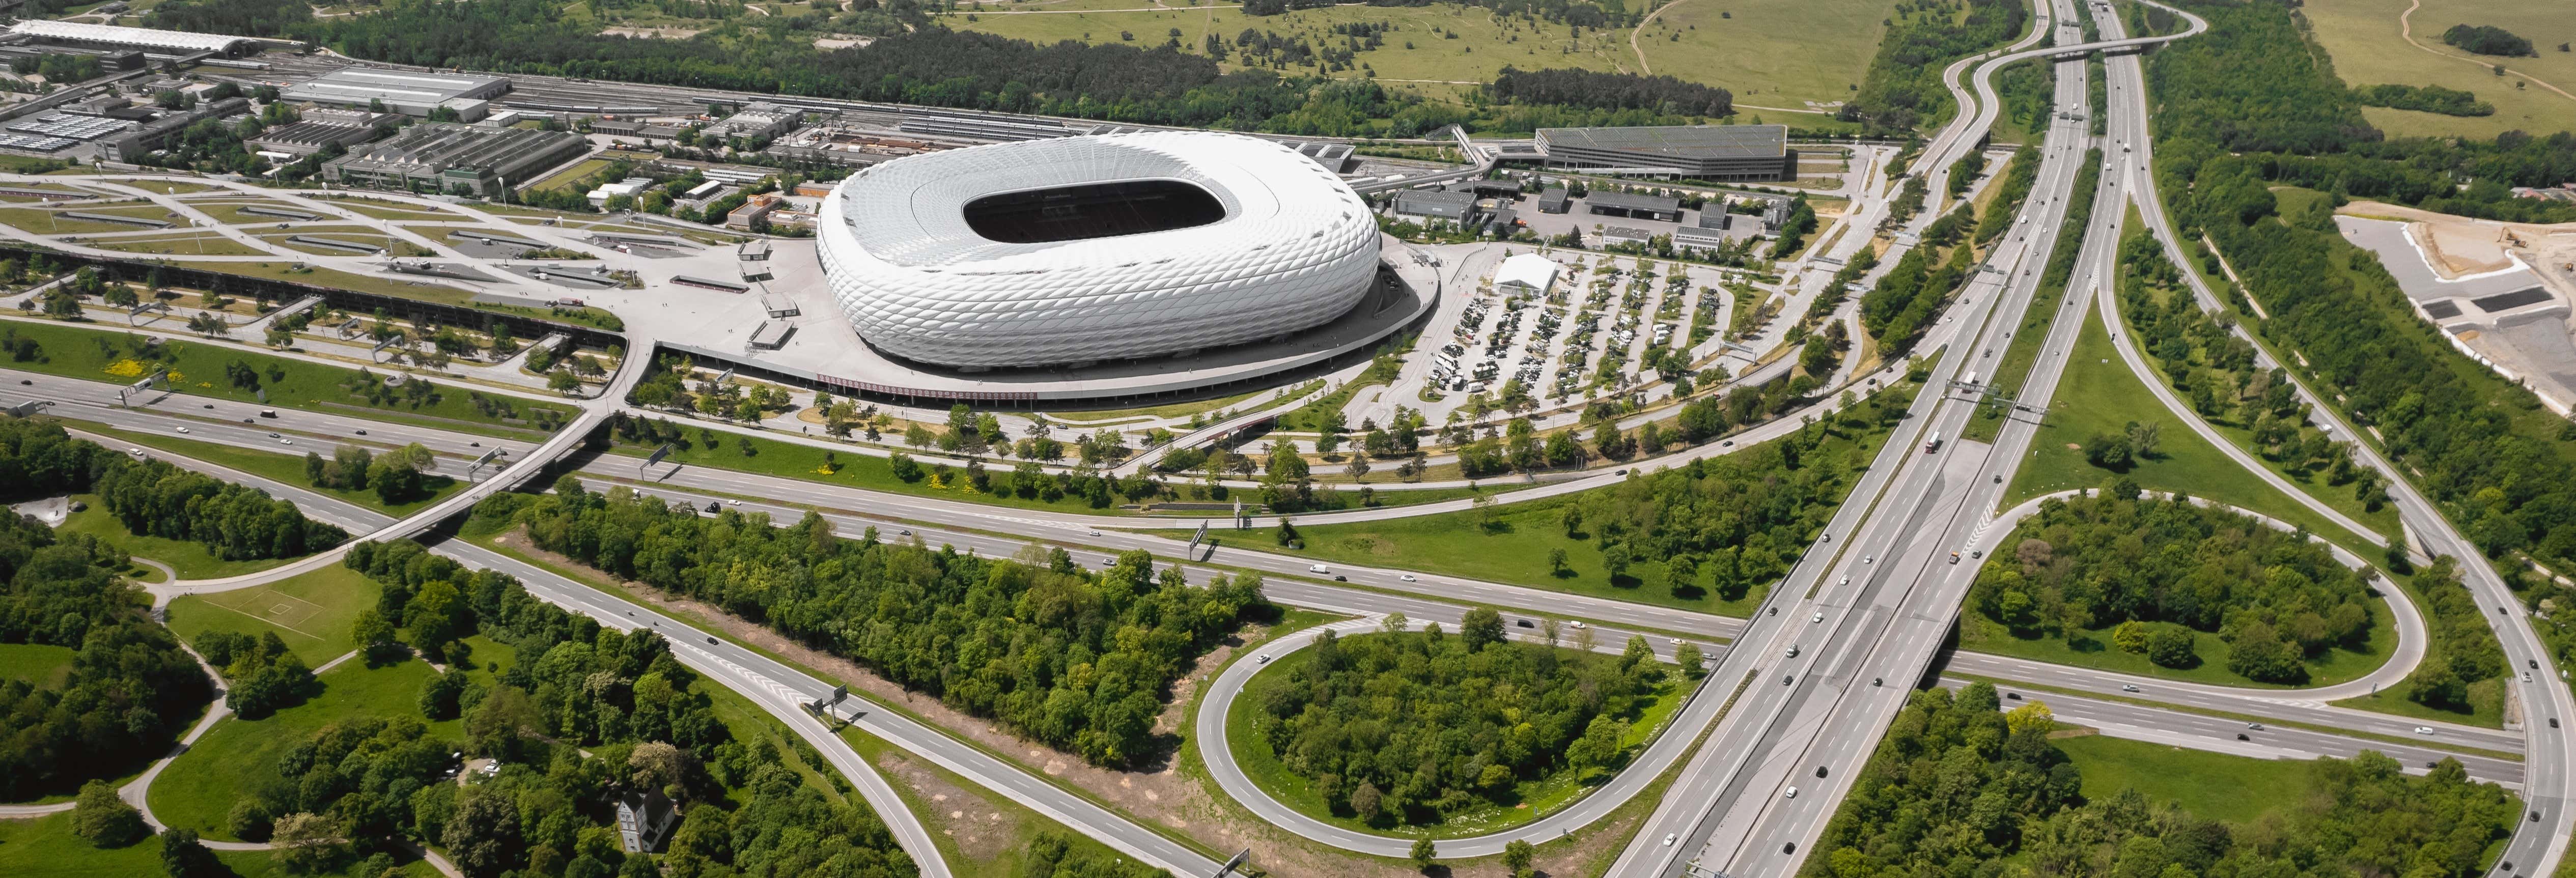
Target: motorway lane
{"points": [[2213, 734], [2537, 848], [1759, 823], [1432, 595]]}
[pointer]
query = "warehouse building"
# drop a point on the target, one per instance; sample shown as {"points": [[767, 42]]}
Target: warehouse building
{"points": [[1455, 207], [758, 119], [1705, 152], [447, 157], [409, 92], [301, 139]]}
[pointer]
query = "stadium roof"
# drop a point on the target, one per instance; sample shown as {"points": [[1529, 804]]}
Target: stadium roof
{"points": [[128, 36], [1677, 141]]}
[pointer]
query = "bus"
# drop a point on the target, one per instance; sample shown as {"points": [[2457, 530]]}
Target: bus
{"points": [[1933, 444]]}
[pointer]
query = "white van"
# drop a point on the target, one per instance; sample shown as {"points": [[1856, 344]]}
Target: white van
{"points": [[1317, 568]]}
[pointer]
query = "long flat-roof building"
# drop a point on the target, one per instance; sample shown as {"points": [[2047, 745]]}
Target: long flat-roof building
{"points": [[1707, 152], [112, 36], [1653, 207], [409, 92], [446, 157], [1455, 207]]}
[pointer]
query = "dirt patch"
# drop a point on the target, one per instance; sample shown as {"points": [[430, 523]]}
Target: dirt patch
{"points": [[1159, 794], [982, 829]]}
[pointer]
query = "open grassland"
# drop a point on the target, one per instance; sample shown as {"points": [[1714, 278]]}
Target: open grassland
{"points": [[46, 667], [567, 177], [2364, 39], [330, 277], [2092, 649], [198, 789], [313, 612], [2097, 395], [2236, 789], [1472, 46], [46, 848], [1771, 53]]}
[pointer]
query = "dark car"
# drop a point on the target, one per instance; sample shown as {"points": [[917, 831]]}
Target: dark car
{"points": [[1525, 623], [1820, 771], [1341, 579], [714, 507], [711, 641]]}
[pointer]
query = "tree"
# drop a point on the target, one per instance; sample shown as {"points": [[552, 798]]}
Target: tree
{"points": [[1693, 664], [105, 820], [2031, 715], [1556, 563], [2437, 685], [1423, 852], [562, 381], [2171, 646], [306, 844], [375, 637], [182, 856], [1518, 855], [2130, 636], [482, 837], [1482, 626]]}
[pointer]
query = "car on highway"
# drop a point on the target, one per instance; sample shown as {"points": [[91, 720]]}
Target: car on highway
{"points": [[1260, 659], [1095, 533], [1408, 578], [286, 442], [1318, 568], [272, 435], [1954, 557], [1820, 616], [2254, 726], [903, 532], [1668, 839], [1104, 562], [362, 431], [1577, 624], [1869, 559], [1525, 623], [2128, 687], [1878, 681], [180, 429], [1340, 578], [1793, 650], [713, 507], [2423, 730], [711, 641], [1791, 794], [1785, 679], [134, 451]]}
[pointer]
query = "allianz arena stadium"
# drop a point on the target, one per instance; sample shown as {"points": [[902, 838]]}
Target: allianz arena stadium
{"points": [[1078, 250]]}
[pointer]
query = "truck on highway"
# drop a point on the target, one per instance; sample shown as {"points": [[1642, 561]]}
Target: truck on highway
{"points": [[1933, 444]]}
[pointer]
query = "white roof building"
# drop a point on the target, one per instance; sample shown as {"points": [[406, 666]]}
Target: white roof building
{"points": [[1090, 248], [1527, 274]]}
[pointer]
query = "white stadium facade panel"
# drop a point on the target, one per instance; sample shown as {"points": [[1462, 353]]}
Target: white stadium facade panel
{"points": [[1085, 249]]}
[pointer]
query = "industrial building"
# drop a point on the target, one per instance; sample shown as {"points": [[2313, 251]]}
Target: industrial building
{"points": [[157, 133], [758, 119], [1622, 204], [106, 36], [1716, 228], [1554, 199], [1456, 207], [1705, 152], [1077, 250], [409, 92], [447, 157], [302, 139]]}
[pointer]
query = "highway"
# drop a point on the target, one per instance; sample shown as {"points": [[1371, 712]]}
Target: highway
{"points": [[2549, 754]]}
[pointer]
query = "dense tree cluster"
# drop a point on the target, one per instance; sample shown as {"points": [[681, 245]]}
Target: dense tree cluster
{"points": [[1410, 726], [1903, 90], [396, 476], [1620, 91], [2479, 446], [131, 690], [2463, 649], [1900, 306], [1957, 788], [2423, 98], [2015, 185], [234, 522], [2487, 39], [1075, 659], [649, 726], [2136, 564], [263, 675]]}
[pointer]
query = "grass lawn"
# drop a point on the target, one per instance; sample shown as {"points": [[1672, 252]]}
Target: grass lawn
{"points": [[199, 788], [568, 176], [2236, 789], [1771, 53], [104, 354], [2363, 38], [389, 210], [1980, 634], [2008, 373], [1538, 798], [48, 222], [46, 848], [281, 466], [328, 277], [2486, 702], [192, 560], [2098, 394], [48, 667], [367, 238], [230, 211], [1171, 410], [312, 612], [184, 244], [794, 460]]}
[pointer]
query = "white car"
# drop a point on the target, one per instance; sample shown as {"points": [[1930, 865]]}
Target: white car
{"points": [[1260, 659], [1578, 624], [286, 442], [1791, 794], [180, 429], [1408, 578], [134, 451], [1819, 618], [2423, 730], [1668, 839], [1106, 562], [733, 502], [1095, 533]]}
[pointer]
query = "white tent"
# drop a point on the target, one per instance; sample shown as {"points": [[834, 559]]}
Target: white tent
{"points": [[1526, 274]]}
